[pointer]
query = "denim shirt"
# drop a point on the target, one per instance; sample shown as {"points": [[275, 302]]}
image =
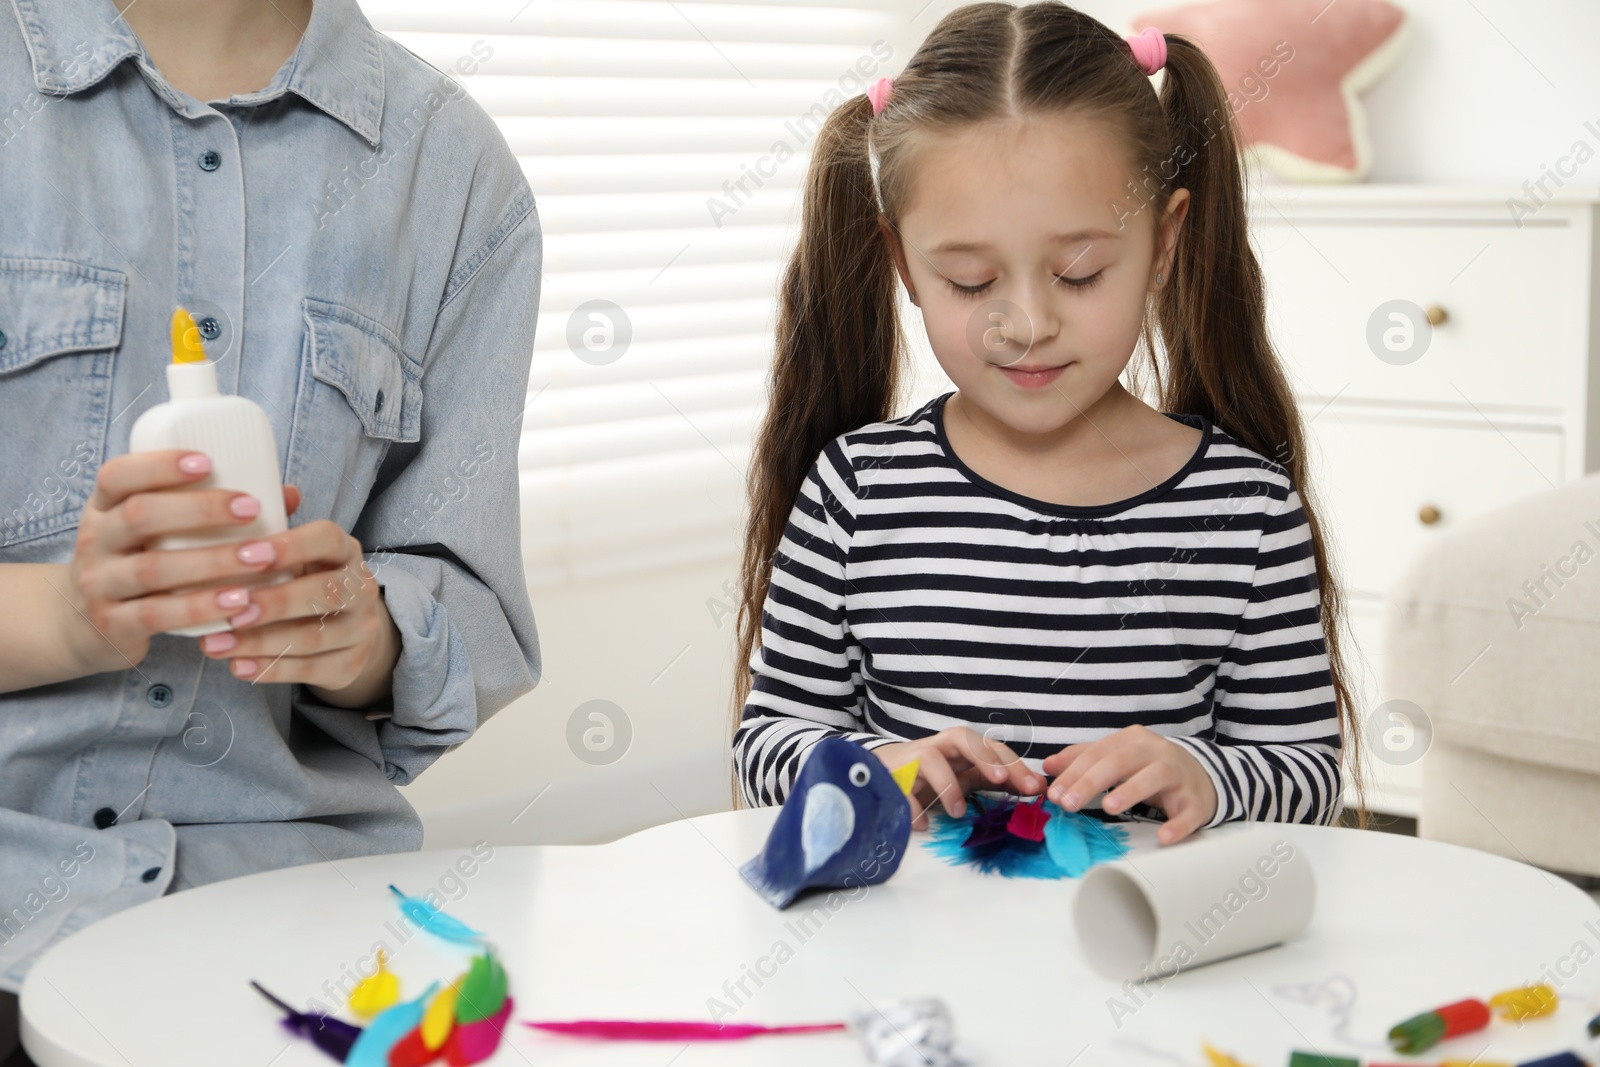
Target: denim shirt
{"points": [[362, 253]]}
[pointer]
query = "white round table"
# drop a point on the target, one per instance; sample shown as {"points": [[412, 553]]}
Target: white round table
{"points": [[659, 925]]}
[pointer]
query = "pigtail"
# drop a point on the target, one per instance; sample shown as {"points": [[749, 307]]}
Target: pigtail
{"points": [[1220, 362], [838, 353]]}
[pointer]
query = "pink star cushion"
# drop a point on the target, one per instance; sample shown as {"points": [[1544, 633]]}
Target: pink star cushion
{"points": [[1292, 69]]}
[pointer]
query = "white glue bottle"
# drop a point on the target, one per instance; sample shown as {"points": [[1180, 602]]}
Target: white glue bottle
{"points": [[235, 434]]}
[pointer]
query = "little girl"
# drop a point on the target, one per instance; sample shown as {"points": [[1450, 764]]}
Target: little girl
{"points": [[1038, 580]]}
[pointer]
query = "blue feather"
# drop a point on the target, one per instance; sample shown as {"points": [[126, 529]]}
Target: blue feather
{"points": [[382, 1033], [1068, 845], [1106, 842], [1073, 843], [436, 922]]}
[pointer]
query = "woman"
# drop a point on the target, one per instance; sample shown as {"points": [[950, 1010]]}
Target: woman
{"points": [[361, 252]]}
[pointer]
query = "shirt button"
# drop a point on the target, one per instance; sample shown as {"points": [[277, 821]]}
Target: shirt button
{"points": [[105, 819], [209, 328], [377, 404], [151, 875], [210, 160], [159, 695]]}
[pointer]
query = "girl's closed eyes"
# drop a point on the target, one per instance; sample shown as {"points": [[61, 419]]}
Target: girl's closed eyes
{"points": [[1075, 283]]}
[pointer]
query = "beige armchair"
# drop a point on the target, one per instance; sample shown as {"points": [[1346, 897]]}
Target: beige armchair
{"points": [[1494, 632]]}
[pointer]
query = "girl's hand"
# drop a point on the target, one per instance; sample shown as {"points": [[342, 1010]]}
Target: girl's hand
{"points": [[118, 591], [954, 762], [1142, 766], [327, 627]]}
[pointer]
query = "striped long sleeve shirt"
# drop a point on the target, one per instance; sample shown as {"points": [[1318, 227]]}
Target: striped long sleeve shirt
{"points": [[910, 594]]}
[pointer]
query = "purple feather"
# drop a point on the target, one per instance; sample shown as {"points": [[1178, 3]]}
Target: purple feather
{"points": [[990, 825], [331, 1035]]}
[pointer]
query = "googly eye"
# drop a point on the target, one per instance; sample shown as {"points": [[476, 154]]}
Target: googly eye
{"points": [[859, 775]]}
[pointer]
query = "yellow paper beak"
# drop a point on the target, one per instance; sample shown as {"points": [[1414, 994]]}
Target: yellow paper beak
{"points": [[186, 344], [905, 777]]}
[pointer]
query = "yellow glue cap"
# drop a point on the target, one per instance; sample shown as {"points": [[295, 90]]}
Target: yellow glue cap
{"points": [[186, 346]]}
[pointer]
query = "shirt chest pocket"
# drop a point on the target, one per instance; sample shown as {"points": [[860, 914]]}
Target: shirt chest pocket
{"points": [[360, 393], [60, 326]]}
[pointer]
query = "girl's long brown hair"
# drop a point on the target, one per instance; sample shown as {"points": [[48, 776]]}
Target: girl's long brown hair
{"points": [[839, 343]]}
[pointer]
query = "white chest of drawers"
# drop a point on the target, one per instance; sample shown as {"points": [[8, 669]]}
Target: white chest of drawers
{"points": [[1414, 425]]}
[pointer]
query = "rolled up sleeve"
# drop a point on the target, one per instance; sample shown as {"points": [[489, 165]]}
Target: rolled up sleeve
{"points": [[443, 526]]}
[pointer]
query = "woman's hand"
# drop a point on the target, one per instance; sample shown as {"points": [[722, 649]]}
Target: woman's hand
{"points": [[118, 590], [1136, 764], [327, 628], [953, 763]]}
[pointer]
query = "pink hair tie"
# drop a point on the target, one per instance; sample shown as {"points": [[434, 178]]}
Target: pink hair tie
{"points": [[1149, 48], [879, 92]]}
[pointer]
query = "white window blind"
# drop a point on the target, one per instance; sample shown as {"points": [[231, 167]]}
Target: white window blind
{"points": [[666, 143]]}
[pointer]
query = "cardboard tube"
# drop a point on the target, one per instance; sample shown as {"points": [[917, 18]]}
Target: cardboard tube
{"points": [[1215, 896]]}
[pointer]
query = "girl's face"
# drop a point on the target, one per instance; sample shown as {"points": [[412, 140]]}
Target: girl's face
{"points": [[1031, 259]]}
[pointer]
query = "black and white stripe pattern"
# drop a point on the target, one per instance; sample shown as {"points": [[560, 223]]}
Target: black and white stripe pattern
{"points": [[910, 595]]}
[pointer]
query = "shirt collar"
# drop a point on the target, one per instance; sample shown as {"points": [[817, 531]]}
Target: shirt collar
{"points": [[337, 68]]}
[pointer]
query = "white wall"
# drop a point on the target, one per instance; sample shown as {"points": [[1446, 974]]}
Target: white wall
{"points": [[651, 646]]}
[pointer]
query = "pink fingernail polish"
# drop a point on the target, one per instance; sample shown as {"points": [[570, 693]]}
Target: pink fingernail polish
{"points": [[245, 507], [195, 463], [233, 598], [246, 617], [257, 552], [215, 643], [244, 668]]}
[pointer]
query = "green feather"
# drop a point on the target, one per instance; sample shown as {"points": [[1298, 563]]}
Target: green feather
{"points": [[483, 990]]}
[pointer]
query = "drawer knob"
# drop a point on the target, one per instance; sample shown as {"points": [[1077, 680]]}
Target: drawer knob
{"points": [[1437, 316], [1428, 514]]}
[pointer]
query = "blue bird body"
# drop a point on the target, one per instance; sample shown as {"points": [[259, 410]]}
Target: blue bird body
{"points": [[846, 823]]}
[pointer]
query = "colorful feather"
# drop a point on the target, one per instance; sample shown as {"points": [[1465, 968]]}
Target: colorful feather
{"points": [[990, 823], [982, 838], [383, 1033], [374, 994], [435, 921], [332, 1036], [914, 1032], [475, 1042], [1068, 846], [482, 990], [440, 1015], [412, 1050], [1218, 1058], [626, 1030], [1028, 821]]}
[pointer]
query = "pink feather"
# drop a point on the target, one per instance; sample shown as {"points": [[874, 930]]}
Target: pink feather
{"points": [[1028, 820], [476, 1041], [627, 1030]]}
